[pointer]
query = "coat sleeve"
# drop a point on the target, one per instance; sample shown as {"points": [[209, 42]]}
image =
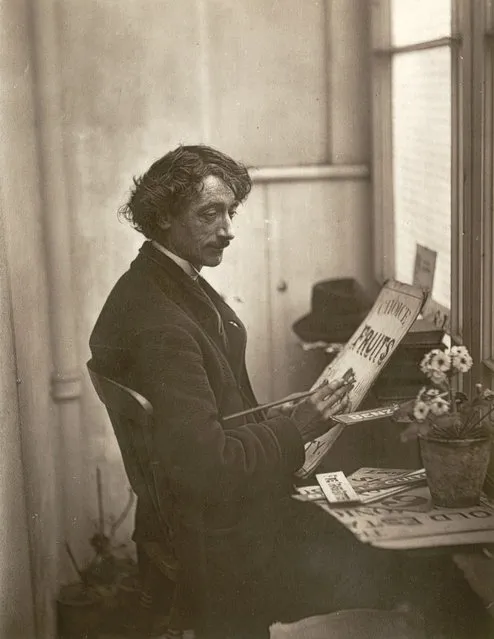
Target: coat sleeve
{"points": [[198, 452]]}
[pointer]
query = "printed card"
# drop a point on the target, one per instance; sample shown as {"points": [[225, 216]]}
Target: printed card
{"points": [[366, 415], [336, 488]]}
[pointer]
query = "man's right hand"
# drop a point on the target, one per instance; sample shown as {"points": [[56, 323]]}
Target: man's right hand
{"points": [[312, 416]]}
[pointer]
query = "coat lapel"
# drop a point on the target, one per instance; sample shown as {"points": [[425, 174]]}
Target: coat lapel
{"points": [[235, 329], [199, 300]]}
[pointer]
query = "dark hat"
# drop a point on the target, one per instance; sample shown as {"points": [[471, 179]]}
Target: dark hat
{"points": [[337, 308]]}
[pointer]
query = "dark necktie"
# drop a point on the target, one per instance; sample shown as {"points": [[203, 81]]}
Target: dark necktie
{"points": [[220, 325]]}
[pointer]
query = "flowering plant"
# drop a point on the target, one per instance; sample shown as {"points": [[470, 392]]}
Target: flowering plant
{"points": [[441, 412]]}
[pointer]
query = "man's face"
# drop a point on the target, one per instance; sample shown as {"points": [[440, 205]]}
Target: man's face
{"points": [[201, 232]]}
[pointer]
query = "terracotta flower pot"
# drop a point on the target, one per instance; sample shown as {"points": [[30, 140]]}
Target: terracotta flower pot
{"points": [[456, 469]]}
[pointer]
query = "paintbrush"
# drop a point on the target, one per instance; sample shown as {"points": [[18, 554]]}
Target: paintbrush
{"points": [[286, 400]]}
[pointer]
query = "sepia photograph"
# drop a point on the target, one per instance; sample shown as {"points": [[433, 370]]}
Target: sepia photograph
{"points": [[247, 319]]}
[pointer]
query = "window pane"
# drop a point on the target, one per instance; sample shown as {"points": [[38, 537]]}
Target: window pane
{"points": [[422, 162], [415, 21]]}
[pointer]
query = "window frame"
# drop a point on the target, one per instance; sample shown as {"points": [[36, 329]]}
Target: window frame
{"points": [[487, 26]]}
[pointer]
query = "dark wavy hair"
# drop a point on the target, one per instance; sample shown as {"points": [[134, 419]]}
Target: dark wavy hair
{"points": [[175, 180]]}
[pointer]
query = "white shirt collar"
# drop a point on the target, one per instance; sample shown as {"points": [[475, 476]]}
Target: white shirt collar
{"points": [[187, 267]]}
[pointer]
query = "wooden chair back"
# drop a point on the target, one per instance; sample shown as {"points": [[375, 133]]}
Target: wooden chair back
{"points": [[121, 399], [133, 430]]}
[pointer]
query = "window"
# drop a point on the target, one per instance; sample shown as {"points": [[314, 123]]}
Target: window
{"points": [[415, 54], [421, 129]]}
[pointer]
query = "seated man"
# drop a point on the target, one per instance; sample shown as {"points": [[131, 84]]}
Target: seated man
{"points": [[165, 332]]}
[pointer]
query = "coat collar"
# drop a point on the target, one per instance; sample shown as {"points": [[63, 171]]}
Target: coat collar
{"points": [[187, 267], [197, 298]]}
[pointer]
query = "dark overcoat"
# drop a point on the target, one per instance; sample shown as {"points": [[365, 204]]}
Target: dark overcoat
{"points": [[180, 345]]}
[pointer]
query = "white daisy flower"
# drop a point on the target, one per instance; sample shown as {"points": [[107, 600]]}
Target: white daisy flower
{"points": [[440, 361], [420, 411], [465, 364], [459, 351], [439, 406], [461, 359]]}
